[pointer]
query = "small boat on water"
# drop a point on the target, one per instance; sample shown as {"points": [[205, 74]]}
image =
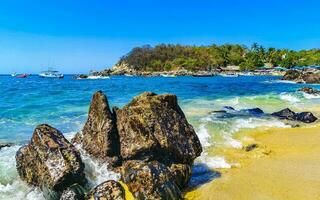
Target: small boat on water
{"points": [[21, 76], [97, 77], [203, 75], [14, 74], [168, 75], [51, 74], [229, 75]]}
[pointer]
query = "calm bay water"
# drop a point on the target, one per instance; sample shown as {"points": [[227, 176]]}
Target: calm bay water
{"points": [[63, 103]]}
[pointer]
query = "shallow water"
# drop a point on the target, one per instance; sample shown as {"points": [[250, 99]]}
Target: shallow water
{"points": [[25, 103]]}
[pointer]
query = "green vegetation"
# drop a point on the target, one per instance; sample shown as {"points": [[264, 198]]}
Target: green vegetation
{"points": [[194, 58]]}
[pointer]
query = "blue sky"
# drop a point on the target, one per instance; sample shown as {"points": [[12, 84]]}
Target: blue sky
{"points": [[76, 36]]}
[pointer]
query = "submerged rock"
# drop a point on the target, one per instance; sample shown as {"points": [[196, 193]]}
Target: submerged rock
{"points": [[2, 145], [253, 111], [306, 117], [149, 180], [154, 127], [99, 135], [251, 147], [109, 190], [309, 90], [50, 161]]}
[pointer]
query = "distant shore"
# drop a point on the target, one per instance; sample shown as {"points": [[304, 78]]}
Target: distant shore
{"points": [[284, 166]]}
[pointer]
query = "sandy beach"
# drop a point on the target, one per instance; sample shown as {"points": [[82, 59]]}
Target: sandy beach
{"points": [[284, 166]]}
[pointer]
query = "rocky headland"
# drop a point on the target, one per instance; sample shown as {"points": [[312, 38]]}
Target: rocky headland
{"points": [[302, 77], [149, 142]]}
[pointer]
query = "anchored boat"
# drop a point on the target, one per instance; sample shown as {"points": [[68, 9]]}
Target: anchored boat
{"points": [[51, 74]]}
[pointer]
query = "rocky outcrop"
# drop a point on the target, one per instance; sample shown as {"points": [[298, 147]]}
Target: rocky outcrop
{"points": [[149, 141], [154, 127], [99, 134], [309, 90], [302, 77], [306, 117], [311, 78], [109, 190], [49, 161], [292, 75], [149, 180]]}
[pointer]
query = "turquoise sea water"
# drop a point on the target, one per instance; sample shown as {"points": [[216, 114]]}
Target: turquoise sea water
{"points": [[63, 103]]}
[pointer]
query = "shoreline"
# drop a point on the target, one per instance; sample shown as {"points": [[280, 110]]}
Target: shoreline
{"points": [[283, 166]]}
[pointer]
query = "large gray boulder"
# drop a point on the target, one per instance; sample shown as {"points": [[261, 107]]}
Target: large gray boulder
{"points": [[153, 127], [49, 161]]}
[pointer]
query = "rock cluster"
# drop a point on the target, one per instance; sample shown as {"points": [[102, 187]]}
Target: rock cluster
{"points": [[306, 117], [149, 141], [309, 90], [302, 77]]}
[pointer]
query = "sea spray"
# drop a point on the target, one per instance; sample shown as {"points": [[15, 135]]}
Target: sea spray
{"points": [[11, 187]]}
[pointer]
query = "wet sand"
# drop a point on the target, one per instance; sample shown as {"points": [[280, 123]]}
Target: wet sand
{"points": [[285, 166]]}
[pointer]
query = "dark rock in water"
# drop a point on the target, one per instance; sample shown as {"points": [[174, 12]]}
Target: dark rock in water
{"points": [[49, 161], [5, 145], [253, 111], [292, 75], [285, 114], [153, 127], [311, 78], [228, 107], [83, 76], [309, 90], [218, 111], [306, 117], [181, 174], [251, 147], [74, 192], [100, 137], [149, 180], [109, 190]]}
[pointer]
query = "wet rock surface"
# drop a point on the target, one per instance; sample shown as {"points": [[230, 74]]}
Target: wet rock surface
{"points": [[309, 90], [149, 180], [149, 142], [306, 117], [302, 77], [50, 161], [109, 190], [99, 134], [74, 192], [154, 127]]}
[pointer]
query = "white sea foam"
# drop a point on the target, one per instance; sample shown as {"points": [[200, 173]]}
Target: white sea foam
{"points": [[95, 171], [311, 96], [252, 123], [289, 97], [11, 187], [203, 135], [214, 162]]}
